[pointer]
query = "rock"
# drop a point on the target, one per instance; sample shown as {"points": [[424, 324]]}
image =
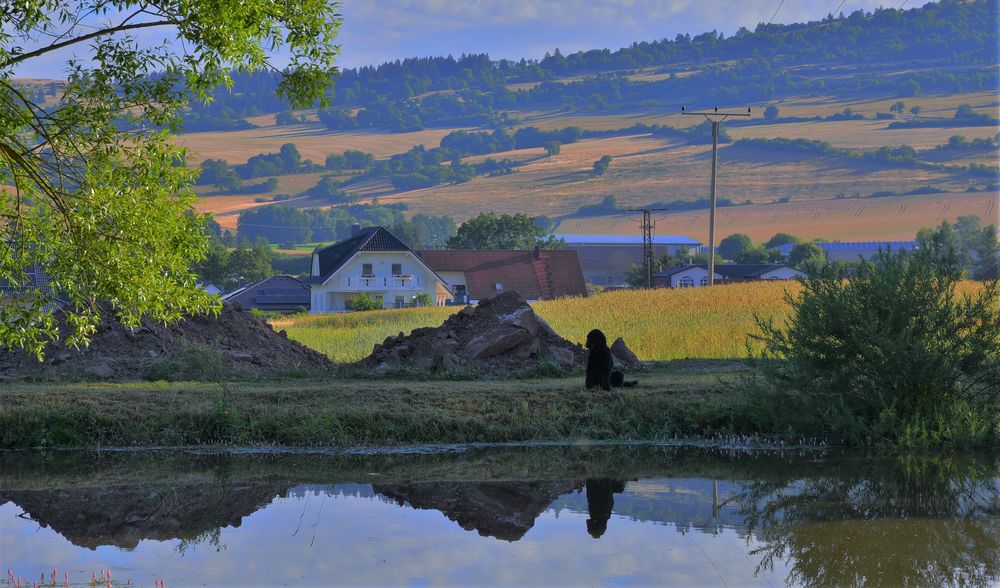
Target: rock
{"points": [[467, 311], [388, 341], [494, 342], [623, 354], [394, 358], [564, 358], [523, 317], [447, 362], [402, 350], [100, 370], [545, 326]]}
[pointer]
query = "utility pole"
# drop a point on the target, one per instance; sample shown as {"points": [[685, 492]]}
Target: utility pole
{"points": [[715, 117], [647, 240]]}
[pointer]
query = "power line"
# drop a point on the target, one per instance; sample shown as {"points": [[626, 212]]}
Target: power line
{"points": [[716, 118], [837, 11], [647, 241], [776, 12], [901, 4]]}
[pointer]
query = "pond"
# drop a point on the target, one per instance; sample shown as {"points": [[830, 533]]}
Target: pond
{"points": [[513, 515]]}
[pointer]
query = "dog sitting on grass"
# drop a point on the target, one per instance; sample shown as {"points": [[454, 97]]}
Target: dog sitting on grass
{"points": [[600, 364]]}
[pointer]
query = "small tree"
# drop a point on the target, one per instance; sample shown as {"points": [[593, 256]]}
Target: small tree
{"points": [[780, 239], [363, 302], [804, 254], [602, 165], [552, 148], [422, 299], [735, 246], [916, 110], [893, 350], [898, 107], [771, 113]]}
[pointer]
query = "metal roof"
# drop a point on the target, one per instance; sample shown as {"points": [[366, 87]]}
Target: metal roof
{"points": [[626, 240]]}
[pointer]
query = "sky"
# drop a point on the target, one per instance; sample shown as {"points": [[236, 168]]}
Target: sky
{"points": [[375, 31], [382, 30]]}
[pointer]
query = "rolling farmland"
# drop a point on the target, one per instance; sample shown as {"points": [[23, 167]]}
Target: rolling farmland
{"points": [[890, 218], [827, 196]]}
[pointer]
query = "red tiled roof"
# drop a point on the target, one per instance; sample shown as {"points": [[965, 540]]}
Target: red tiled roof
{"points": [[535, 276]]}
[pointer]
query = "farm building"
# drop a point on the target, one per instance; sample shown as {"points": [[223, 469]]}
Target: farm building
{"points": [[605, 258], [474, 275], [375, 262], [690, 276], [274, 294], [854, 250]]}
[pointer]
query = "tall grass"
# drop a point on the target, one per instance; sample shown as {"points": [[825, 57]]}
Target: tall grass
{"points": [[656, 324]]}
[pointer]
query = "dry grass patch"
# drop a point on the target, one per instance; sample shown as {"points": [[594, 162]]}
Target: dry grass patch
{"points": [[313, 141], [892, 218]]}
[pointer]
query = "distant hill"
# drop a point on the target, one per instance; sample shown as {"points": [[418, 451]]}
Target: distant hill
{"points": [[944, 47]]}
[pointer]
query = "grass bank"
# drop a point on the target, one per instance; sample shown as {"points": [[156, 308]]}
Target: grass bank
{"points": [[680, 399], [661, 324]]}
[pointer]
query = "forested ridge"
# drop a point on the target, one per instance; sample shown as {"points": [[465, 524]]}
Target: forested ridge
{"points": [[949, 46]]}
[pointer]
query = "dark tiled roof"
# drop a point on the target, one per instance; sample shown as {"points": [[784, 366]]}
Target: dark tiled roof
{"points": [[277, 293], [370, 239], [731, 271], [535, 276]]}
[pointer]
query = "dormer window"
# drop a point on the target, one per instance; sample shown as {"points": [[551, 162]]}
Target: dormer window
{"points": [[499, 286]]}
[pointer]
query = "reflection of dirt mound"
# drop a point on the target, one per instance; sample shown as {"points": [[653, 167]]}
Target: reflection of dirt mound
{"points": [[500, 335], [232, 345], [123, 516], [505, 510]]}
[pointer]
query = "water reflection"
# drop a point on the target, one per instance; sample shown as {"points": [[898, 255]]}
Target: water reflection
{"points": [[808, 519]]}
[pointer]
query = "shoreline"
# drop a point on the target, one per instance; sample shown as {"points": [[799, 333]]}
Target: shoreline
{"points": [[686, 399]]}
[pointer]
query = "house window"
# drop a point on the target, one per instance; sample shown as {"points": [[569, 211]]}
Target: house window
{"points": [[499, 286], [366, 269], [686, 282], [704, 281], [397, 269], [400, 302]]}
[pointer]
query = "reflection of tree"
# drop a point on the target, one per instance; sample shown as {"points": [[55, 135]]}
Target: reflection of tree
{"points": [[900, 522]]}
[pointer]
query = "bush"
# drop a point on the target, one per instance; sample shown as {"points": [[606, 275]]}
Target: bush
{"points": [[362, 302], [887, 355], [422, 299]]}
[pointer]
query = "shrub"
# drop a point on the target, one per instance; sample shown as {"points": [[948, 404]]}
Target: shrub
{"points": [[887, 352], [363, 301], [422, 299]]}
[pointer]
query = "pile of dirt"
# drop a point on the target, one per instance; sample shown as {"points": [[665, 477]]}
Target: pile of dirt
{"points": [[233, 345], [500, 336]]}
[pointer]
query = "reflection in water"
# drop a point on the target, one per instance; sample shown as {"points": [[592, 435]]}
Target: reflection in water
{"points": [[899, 522], [810, 519], [600, 503]]}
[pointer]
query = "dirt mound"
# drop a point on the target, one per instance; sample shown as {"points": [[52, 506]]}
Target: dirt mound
{"points": [[499, 336], [234, 345]]}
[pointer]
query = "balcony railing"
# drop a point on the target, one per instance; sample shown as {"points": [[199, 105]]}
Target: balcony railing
{"points": [[383, 283]]}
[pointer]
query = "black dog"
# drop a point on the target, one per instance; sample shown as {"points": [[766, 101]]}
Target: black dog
{"points": [[599, 361], [600, 364]]}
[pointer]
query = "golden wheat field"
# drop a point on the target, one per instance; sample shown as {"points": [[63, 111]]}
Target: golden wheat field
{"points": [[661, 324], [656, 324]]}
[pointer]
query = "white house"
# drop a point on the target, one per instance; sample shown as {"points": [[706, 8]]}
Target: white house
{"points": [[690, 276], [376, 262]]}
